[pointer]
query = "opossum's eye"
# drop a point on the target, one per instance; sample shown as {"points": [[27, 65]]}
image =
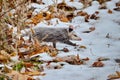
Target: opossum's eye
{"points": [[70, 29], [75, 35]]}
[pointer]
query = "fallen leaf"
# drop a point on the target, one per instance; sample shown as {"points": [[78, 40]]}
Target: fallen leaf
{"points": [[29, 14], [28, 64], [4, 57], [61, 5], [6, 69], [71, 59], [102, 59], [92, 28], [118, 73], [86, 59], [97, 64], [94, 16], [70, 16], [47, 16], [83, 47], [65, 50], [118, 4], [71, 0], [97, 12], [33, 73], [13, 54], [81, 13], [37, 18], [110, 11], [17, 76], [64, 19], [114, 76], [52, 51], [52, 65]]}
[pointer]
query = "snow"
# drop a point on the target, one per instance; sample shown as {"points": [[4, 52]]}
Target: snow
{"points": [[45, 57], [93, 8], [96, 42], [77, 5]]}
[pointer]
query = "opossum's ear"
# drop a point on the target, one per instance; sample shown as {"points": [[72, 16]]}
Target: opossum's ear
{"points": [[71, 28]]}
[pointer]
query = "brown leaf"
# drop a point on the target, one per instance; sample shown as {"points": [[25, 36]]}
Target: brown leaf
{"points": [[70, 16], [13, 54], [44, 48], [33, 73], [92, 28], [71, 59], [37, 18], [86, 59], [6, 69], [51, 65], [17, 76], [81, 13], [52, 51], [47, 16], [83, 47], [64, 19], [118, 4], [29, 14], [4, 57], [97, 12], [102, 59], [65, 50], [28, 64], [61, 5], [97, 64], [71, 0], [110, 11], [118, 73], [114, 76]]}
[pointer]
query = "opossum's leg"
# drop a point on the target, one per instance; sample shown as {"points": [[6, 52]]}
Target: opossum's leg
{"points": [[70, 43], [54, 44]]}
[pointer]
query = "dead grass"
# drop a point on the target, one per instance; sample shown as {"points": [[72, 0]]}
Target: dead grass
{"points": [[12, 13]]}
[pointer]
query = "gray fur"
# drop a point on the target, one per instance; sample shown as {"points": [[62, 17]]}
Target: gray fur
{"points": [[52, 35]]}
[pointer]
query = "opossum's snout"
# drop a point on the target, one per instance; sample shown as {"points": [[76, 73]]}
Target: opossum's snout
{"points": [[73, 36]]}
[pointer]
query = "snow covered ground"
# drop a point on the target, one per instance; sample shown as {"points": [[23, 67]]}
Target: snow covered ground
{"points": [[97, 45]]}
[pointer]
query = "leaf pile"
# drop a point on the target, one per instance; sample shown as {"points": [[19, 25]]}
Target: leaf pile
{"points": [[71, 59], [61, 11]]}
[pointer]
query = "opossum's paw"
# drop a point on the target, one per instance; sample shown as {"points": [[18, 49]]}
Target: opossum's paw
{"points": [[74, 44], [77, 45]]}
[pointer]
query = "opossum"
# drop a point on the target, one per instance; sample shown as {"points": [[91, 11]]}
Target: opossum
{"points": [[47, 34]]}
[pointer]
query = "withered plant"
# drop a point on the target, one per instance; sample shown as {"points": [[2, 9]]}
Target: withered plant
{"points": [[13, 14]]}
